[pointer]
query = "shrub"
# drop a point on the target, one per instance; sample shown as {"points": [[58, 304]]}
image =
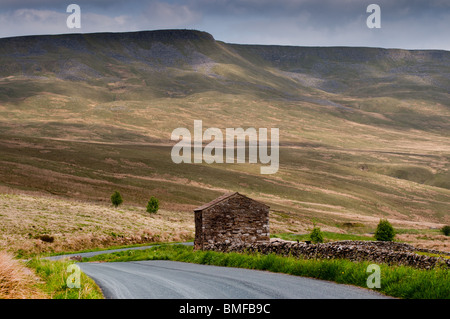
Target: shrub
{"points": [[446, 230], [116, 199], [46, 238], [384, 231], [316, 235], [152, 205]]}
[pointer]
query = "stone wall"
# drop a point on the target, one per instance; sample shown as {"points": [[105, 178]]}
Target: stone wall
{"points": [[377, 252], [237, 220]]}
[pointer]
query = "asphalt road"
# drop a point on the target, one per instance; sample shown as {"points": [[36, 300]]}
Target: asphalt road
{"points": [[161, 279]]}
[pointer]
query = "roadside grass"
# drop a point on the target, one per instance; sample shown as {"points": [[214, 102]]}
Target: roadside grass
{"points": [[104, 249], [54, 275], [396, 281], [16, 280]]}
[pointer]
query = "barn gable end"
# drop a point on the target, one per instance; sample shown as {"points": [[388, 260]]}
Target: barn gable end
{"points": [[231, 218]]}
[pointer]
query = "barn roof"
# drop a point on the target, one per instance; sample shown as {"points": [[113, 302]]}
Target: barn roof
{"points": [[221, 199]]}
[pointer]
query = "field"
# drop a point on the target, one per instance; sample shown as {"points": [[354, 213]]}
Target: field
{"points": [[48, 224]]}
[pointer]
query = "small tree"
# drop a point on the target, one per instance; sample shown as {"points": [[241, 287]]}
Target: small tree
{"points": [[316, 235], [446, 230], [152, 205], [116, 199], [384, 231]]}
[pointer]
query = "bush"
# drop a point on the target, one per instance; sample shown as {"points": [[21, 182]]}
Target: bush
{"points": [[384, 231], [446, 230], [46, 238], [152, 205], [116, 199], [316, 235]]}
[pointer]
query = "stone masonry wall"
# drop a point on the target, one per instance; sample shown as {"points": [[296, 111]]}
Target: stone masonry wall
{"points": [[377, 252], [237, 220]]}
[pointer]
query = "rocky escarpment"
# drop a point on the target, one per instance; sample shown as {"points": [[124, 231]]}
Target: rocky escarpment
{"points": [[378, 252]]}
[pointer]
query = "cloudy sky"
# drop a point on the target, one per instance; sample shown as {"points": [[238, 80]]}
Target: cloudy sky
{"points": [[409, 24]]}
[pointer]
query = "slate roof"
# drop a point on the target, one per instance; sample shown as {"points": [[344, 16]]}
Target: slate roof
{"points": [[222, 198]]}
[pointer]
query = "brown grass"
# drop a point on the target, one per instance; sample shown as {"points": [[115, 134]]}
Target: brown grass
{"points": [[17, 281], [430, 241], [29, 221], [33, 224]]}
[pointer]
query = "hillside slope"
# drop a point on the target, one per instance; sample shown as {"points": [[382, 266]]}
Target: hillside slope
{"points": [[365, 132]]}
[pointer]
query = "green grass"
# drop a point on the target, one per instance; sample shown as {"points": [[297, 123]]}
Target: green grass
{"points": [[54, 275], [328, 236], [396, 281], [418, 231], [432, 254], [98, 249]]}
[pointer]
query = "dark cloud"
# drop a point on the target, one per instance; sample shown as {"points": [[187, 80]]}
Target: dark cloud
{"points": [[405, 23]]}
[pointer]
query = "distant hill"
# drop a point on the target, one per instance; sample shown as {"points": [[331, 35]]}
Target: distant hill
{"points": [[180, 63], [83, 114]]}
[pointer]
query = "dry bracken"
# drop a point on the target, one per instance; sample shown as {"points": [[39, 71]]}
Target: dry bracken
{"points": [[17, 281]]}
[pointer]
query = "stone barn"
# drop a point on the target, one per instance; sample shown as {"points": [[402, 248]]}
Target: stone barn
{"points": [[231, 218]]}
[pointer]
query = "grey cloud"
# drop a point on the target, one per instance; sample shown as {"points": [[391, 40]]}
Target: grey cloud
{"points": [[409, 23]]}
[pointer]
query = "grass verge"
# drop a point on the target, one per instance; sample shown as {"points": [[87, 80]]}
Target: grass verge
{"points": [[396, 281], [16, 280], [54, 275], [103, 249]]}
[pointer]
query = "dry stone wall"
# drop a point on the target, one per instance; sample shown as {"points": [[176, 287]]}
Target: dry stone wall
{"points": [[377, 252]]}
